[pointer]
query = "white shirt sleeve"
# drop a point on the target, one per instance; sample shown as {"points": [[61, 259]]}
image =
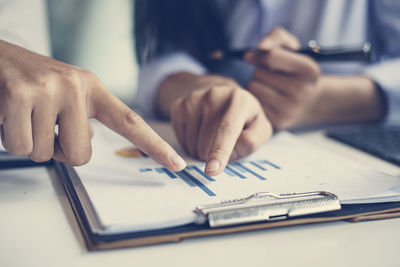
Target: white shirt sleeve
{"points": [[152, 74], [24, 23], [386, 75], [386, 72]]}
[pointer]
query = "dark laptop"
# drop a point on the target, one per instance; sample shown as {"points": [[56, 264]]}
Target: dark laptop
{"points": [[382, 141]]}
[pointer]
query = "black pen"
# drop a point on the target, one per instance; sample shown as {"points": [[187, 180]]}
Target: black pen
{"points": [[362, 53]]}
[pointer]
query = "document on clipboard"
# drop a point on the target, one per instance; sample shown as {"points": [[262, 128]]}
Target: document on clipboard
{"points": [[122, 191]]}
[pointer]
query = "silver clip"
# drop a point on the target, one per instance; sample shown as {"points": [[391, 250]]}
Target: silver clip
{"points": [[266, 206]]}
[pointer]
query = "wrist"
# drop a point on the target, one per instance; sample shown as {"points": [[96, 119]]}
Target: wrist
{"points": [[346, 99]]}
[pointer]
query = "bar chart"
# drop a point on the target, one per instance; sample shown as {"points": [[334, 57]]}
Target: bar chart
{"points": [[254, 169]]}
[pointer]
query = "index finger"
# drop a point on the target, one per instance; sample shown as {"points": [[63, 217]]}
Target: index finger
{"points": [[109, 110], [226, 136], [279, 37], [287, 62]]}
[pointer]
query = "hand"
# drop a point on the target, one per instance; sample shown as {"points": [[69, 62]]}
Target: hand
{"points": [[284, 82], [36, 92], [218, 123]]}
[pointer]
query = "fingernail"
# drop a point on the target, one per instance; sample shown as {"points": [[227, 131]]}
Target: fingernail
{"points": [[212, 165], [177, 161]]}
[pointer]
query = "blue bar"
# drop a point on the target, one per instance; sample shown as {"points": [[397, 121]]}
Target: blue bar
{"points": [[238, 167], [269, 163], [166, 171], [198, 183], [185, 178], [250, 171], [258, 166], [229, 172], [145, 170], [235, 172], [201, 173]]}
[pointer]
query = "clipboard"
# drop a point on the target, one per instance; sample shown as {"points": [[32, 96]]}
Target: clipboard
{"points": [[10, 161], [98, 241]]}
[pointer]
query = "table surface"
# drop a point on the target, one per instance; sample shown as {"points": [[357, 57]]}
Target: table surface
{"points": [[38, 228]]}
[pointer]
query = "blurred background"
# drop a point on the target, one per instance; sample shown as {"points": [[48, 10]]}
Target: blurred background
{"points": [[97, 35]]}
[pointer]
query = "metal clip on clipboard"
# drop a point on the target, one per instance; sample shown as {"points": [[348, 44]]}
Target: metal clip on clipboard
{"points": [[266, 206]]}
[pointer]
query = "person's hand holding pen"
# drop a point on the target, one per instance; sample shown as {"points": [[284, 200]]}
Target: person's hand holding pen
{"points": [[37, 92], [285, 82], [288, 83], [214, 119]]}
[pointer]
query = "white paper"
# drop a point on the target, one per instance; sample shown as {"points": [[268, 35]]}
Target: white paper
{"points": [[126, 199]]}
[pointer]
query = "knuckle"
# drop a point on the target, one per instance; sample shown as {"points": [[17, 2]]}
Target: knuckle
{"points": [[228, 81], [16, 93], [22, 149], [70, 75], [239, 97], [225, 128], [41, 157], [79, 158], [249, 142], [43, 79], [279, 31], [217, 149], [89, 75], [210, 95], [132, 119], [49, 94], [92, 79], [196, 94], [18, 97], [219, 80], [71, 79]]}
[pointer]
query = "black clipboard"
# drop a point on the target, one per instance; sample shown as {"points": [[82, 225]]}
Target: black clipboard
{"points": [[96, 241], [10, 161]]}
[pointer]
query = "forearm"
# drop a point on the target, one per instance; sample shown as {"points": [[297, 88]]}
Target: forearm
{"points": [[182, 84], [345, 99]]}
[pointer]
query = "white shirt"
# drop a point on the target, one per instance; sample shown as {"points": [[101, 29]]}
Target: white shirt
{"points": [[329, 22]]}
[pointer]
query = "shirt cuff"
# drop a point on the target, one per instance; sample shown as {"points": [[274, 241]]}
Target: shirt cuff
{"points": [[386, 75], [152, 74]]}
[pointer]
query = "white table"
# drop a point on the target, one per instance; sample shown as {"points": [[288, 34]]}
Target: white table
{"points": [[38, 228]]}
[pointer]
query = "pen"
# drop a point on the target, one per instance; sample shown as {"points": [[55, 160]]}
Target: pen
{"points": [[362, 53]]}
